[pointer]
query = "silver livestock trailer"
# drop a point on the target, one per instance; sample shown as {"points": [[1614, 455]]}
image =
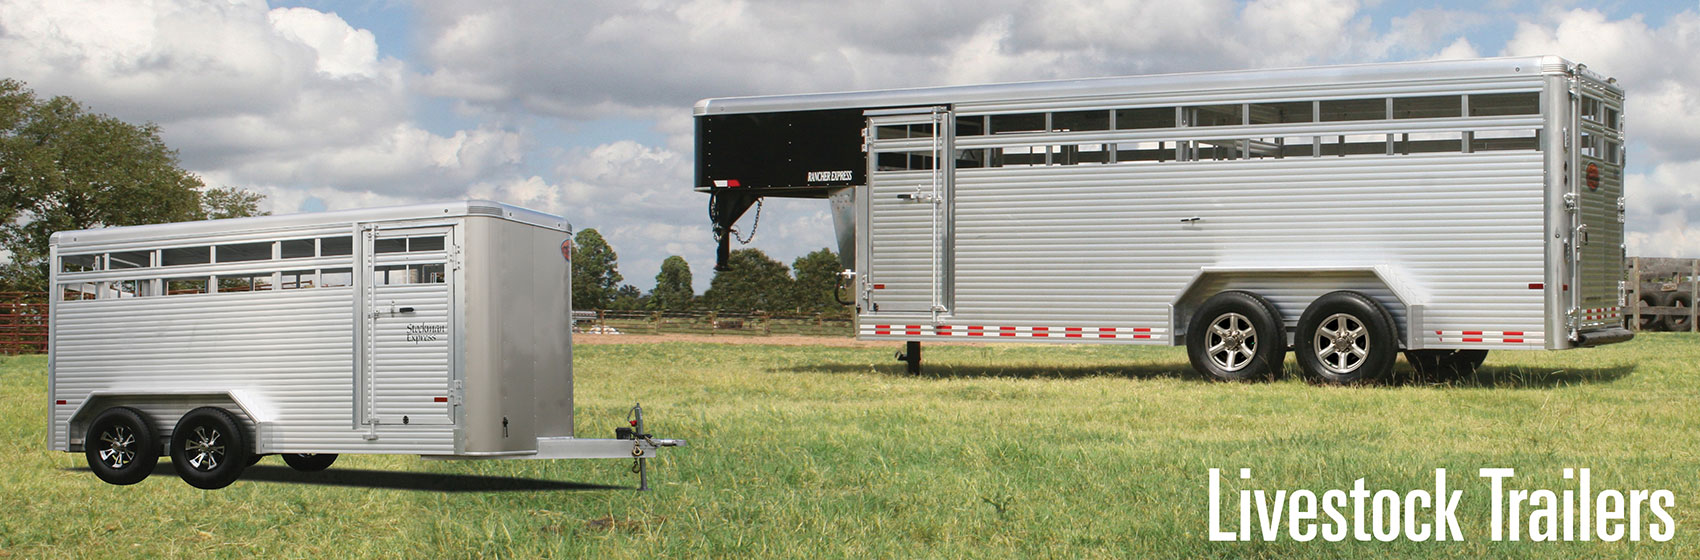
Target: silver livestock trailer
{"points": [[442, 330], [1349, 213]]}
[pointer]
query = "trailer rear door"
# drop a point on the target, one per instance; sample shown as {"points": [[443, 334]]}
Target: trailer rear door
{"points": [[407, 336], [908, 213], [1596, 206]]}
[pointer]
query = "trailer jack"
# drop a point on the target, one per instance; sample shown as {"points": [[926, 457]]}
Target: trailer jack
{"points": [[640, 456], [911, 355]]}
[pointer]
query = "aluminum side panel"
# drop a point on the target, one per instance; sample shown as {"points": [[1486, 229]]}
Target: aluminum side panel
{"points": [[291, 351], [1105, 245]]}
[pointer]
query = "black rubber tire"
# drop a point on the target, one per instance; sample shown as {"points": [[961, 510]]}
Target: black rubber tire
{"points": [[309, 462], [1651, 323], [1266, 347], [1380, 339], [226, 452], [121, 446], [1445, 363], [1676, 323]]}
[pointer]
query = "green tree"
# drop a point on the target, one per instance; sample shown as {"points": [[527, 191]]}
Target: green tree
{"points": [[596, 274], [64, 168], [673, 285], [628, 298], [753, 282], [817, 277], [230, 202]]}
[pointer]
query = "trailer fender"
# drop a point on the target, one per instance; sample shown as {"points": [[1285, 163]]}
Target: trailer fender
{"points": [[164, 407], [1292, 288]]}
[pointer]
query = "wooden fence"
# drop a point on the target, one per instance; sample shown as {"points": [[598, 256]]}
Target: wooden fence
{"points": [[1661, 294], [23, 323]]}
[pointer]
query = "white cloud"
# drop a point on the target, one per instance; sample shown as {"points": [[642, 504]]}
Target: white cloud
{"points": [[272, 99], [1656, 67]]}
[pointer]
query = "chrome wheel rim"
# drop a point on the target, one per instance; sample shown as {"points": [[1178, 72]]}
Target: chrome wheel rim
{"points": [[204, 450], [1231, 341], [1341, 343], [118, 452]]}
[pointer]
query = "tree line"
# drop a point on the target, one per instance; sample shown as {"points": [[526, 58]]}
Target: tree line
{"points": [[752, 282], [63, 168]]}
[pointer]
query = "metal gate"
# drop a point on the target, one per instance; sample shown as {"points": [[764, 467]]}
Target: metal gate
{"points": [[1596, 204], [407, 335], [908, 213]]}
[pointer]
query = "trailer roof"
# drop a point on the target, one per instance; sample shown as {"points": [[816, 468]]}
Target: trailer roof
{"points": [[288, 221], [1509, 67]]}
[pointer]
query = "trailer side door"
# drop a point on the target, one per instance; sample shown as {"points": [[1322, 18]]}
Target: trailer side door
{"points": [[908, 209], [407, 335]]}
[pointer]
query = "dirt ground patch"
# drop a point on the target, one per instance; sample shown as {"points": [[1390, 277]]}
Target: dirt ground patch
{"points": [[778, 340]]}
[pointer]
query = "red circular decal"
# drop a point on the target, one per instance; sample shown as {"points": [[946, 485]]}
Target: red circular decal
{"points": [[567, 249], [1593, 177]]}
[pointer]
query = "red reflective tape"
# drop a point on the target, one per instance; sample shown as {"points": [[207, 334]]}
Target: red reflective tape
{"points": [[1473, 332], [732, 183], [1072, 335], [1006, 328], [1107, 336], [440, 399], [1006, 334], [943, 328], [912, 329], [1041, 332], [1107, 329], [1513, 333], [879, 286], [1142, 329], [1472, 340], [882, 331], [1537, 286], [60, 401], [1510, 340], [1142, 336], [976, 331], [1072, 329]]}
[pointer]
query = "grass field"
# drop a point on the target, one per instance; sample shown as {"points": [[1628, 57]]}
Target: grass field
{"points": [[999, 451]]}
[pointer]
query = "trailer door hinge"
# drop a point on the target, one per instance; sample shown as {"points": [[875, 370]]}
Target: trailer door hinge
{"points": [[1570, 201], [457, 393]]}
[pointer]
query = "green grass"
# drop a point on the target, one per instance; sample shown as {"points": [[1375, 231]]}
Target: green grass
{"points": [[1000, 451]]}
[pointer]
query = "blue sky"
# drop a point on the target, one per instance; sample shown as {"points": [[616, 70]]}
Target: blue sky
{"points": [[583, 108]]}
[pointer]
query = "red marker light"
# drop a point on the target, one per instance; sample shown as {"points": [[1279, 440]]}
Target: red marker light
{"points": [[634, 422]]}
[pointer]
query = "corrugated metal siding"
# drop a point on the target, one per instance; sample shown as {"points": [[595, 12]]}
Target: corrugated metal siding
{"points": [[411, 360], [292, 350], [1105, 245], [900, 243]]}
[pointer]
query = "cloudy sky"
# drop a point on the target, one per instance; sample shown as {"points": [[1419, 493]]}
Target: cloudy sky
{"points": [[582, 107]]}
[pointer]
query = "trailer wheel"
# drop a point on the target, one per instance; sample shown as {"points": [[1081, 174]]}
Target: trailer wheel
{"points": [[1236, 336], [121, 447], [1681, 301], [1445, 363], [209, 448], [1345, 337], [1650, 322], [309, 462]]}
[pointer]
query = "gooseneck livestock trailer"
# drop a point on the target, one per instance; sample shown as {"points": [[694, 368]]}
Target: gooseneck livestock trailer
{"points": [[1348, 213], [441, 330]]}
